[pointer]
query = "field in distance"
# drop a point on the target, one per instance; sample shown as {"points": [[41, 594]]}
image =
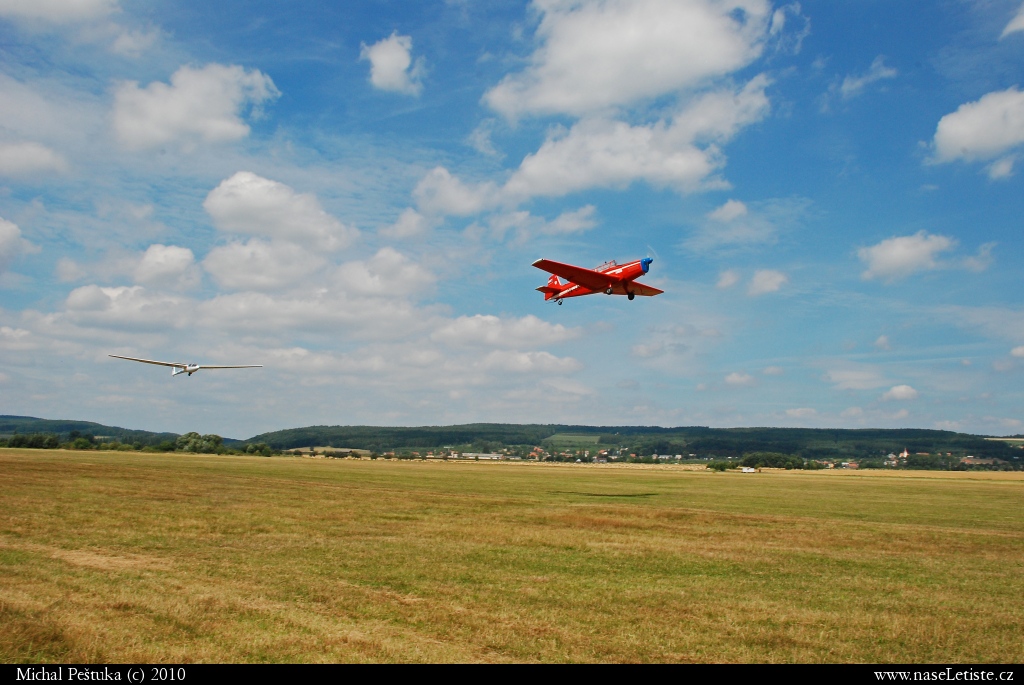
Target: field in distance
{"points": [[132, 557]]}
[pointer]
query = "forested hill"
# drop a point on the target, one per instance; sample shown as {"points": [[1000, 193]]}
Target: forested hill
{"points": [[808, 442], [30, 425]]}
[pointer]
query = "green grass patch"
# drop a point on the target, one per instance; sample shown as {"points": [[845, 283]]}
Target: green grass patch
{"points": [[170, 558]]}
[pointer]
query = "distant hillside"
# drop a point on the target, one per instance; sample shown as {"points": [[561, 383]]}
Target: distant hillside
{"points": [[699, 440], [25, 425]]}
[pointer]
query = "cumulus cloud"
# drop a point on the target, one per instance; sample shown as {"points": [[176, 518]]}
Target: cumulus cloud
{"points": [[261, 265], [12, 245], [739, 379], [57, 11], [855, 85], [125, 307], [410, 224], [391, 65], [441, 193], [132, 43], [525, 225], [168, 266], [22, 159], [388, 273], [1016, 24], [882, 343], [983, 130], [605, 153], [528, 362], [896, 258], [1018, 351], [252, 205], [773, 371], [900, 392], [489, 330], [200, 104], [766, 281], [728, 279], [737, 225], [593, 56]]}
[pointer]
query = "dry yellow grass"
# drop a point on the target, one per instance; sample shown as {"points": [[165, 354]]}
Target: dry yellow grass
{"points": [[132, 557]]}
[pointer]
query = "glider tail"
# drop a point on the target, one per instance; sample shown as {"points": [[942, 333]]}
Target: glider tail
{"points": [[552, 288]]}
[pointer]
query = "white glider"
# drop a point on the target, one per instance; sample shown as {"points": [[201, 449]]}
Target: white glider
{"points": [[180, 367]]}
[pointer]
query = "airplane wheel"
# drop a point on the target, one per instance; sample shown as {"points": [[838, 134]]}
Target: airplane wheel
{"points": [[559, 303], [631, 295]]}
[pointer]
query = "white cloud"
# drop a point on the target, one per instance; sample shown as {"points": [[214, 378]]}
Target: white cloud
{"points": [[801, 412], [133, 43], [576, 221], [728, 279], [605, 54], [854, 85], [480, 138], [982, 130], [57, 11], [900, 392], [167, 265], [18, 159], [1016, 24], [125, 307], [12, 245], [737, 225], [525, 225], [852, 413], [441, 193], [528, 362], [896, 258], [882, 343], [732, 209], [261, 265], [391, 65], [387, 274], [410, 224], [253, 205], [481, 329], [1018, 351], [1002, 168], [605, 153], [766, 281], [200, 104], [773, 371], [739, 379], [980, 261]]}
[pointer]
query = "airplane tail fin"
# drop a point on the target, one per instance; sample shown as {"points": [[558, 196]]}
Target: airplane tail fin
{"points": [[552, 288]]}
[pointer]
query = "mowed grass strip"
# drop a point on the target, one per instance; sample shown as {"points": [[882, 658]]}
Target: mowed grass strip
{"points": [[151, 558]]}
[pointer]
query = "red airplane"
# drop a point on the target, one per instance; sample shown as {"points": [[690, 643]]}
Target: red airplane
{"points": [[609, 278]]}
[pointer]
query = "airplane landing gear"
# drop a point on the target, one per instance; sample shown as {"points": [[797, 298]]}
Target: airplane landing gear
{"points": [[559, 302], [630, 295], [608, 291]]}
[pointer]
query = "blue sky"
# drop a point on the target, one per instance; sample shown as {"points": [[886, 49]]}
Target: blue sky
{"points": [[352, 194]]}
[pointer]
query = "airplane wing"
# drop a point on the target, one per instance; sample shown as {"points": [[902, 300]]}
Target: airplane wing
{"points": [[242, 366], [644, 290], [150, 361], [585, 277]]}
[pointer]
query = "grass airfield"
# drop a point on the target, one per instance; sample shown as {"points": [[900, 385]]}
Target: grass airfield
{"points": [[129, 557]]}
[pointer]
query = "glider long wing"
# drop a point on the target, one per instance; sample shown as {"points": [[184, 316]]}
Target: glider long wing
{"points": [[176, 365], [585, 277], [241, 366]]}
